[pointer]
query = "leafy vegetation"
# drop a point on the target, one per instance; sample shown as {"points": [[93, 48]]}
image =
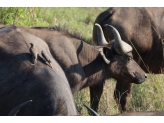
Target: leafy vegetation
{"points": [[22, 16]]}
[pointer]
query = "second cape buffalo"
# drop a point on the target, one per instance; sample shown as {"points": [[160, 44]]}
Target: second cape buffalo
{"points": [[84, 64], [142, 28], [20, 81]]}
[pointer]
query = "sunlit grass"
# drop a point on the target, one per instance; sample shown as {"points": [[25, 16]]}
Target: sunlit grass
{"points": [[75, 19]]}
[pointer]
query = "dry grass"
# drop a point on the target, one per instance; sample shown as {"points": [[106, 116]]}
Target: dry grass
{"points": [[107, 105], [148, 96]]}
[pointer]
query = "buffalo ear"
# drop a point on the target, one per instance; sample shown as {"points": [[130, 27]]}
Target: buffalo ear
{"points": [[103, 53]]}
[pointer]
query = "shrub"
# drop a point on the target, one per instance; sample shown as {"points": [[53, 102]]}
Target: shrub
{"points": [[22, 16]]}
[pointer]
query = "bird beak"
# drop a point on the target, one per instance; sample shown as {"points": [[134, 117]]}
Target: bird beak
{"points": [[29, 43]]}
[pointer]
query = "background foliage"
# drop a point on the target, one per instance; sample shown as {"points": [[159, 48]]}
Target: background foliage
{"points": [[22, 16]]}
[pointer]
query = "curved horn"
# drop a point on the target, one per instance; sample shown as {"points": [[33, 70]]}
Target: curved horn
{"points": [[15, 110], [91, 110], [100, 49], [100, 35], [120, 46]]}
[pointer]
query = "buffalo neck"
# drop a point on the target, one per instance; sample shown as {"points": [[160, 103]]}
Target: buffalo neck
{"points": [[94, 67]]}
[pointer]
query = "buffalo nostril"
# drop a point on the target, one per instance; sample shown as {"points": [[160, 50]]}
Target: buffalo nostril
{"points": [[145, 75]]}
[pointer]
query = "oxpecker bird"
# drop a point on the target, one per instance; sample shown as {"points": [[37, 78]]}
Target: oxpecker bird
{"points": [[33, 52], [45, 56]]}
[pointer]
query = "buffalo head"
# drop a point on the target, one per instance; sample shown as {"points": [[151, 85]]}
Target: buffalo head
{"points": [[118, 55]]}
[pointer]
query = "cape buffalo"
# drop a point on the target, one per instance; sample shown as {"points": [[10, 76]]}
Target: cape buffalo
{"points": [[20, 81], [83, 64], [143, 29]]}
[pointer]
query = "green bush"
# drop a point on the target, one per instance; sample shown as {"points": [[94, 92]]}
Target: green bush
{"points": [[22, 16]]}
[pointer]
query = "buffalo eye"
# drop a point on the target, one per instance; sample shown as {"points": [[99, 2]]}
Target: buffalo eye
{"points": [[129, 58]]}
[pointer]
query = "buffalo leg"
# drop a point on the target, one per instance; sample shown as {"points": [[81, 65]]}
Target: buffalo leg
{"points": [[122, 95], [95, 94]]}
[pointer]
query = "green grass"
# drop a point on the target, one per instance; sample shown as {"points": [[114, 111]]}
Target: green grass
{"points": [[22, 16], [74, 18], [148, 96]]}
